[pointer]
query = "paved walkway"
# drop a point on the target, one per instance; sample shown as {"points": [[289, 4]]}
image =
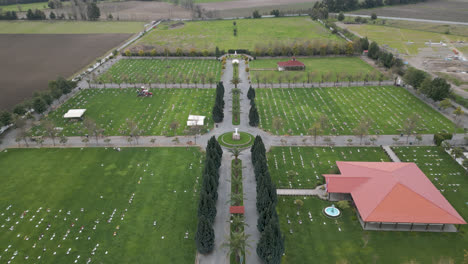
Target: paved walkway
{"points": [[319, 191], [391, 154]]}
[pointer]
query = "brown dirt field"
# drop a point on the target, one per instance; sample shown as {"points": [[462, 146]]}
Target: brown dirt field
{"points": [[138, 10], [250, 3], [449, 10], [32, 60]]}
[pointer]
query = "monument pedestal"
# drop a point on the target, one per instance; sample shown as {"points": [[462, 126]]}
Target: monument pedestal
{"points": [[236, 135]]}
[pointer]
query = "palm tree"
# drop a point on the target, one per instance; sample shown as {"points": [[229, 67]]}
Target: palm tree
{"points": [[236, 199], [235, 80], [235, 152], [237, 243], [237, 221]]}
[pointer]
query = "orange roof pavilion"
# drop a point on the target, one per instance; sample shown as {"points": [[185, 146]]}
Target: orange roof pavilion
{"points": [[392, 192]]}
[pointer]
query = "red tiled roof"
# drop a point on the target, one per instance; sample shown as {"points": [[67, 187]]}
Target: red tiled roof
{"points": [[236, 210], [291, 63], [392, 192]]}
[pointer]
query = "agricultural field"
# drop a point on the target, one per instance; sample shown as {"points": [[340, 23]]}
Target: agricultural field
{"points": [[448, 10], [69, 27], [24, 7], [36, 59], [99, 205], [302, 167], [111, 108], [250, 32], [386, 107], [262, 70], [406, 41], [162, 71], [342, 240]]}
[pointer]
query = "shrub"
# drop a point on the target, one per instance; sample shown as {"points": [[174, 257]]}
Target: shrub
{"points": [[343, 204], [440, 137]]}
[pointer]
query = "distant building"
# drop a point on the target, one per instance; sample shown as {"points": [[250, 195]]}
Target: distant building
{"points": [[291, 65], [392, 196]]}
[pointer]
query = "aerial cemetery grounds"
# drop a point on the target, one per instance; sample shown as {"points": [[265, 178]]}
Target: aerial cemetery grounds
{"points": [[99, 204]]}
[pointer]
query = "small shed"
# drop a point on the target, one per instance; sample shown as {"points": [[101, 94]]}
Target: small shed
{"points": [[236, 210], [196, 120], [291, 65], [74, 113]]}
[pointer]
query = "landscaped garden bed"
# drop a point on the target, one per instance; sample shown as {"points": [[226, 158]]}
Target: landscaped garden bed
{"points": [[246, 140]]}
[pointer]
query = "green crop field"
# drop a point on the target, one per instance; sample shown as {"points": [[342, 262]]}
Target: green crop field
{"points": [[250, 32], [386, 107], [318, 239], [111, 108], [302, 167], [98, 204], [316, 69], [68, 27], [161, 71], [406, 41], [25, 7]]}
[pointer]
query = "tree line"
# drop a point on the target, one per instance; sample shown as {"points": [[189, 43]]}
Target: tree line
{"points": [[218, 108], [204, 237], [337, 6], [437, 89], [270, 247]]}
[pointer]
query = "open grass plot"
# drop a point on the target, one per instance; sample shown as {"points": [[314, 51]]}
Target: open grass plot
{"points": [[387, 107], [219, 33], [310, 237], [162, 71], [98, 205], [266, 71], [406, 41], [444, 172], [302, 167], [111, 108], [69, 27]]}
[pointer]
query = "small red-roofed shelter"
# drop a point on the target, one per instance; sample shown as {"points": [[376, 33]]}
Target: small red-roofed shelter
{"points": [[291, 65], [236, 210], [393, 193]]}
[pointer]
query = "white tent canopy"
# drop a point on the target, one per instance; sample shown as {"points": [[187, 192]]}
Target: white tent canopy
{"points": [[74, 113], [195, 120]]}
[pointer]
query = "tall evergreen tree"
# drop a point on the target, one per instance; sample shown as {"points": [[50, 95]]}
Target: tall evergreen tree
{"points": [[218, 114], [253, 116], [270, 247], [206, 206], [204, 238], [251, 93]]}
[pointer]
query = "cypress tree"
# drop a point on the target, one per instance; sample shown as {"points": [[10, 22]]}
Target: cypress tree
{"points": [[267, 215], [253, 116], [210, 186], [218, 114], [251, 93], [212, 171], [206, 206], [204, 238], [270, 247]]}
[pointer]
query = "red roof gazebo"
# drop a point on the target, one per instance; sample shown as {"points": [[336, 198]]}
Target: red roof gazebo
{"points": [[292, 64]]}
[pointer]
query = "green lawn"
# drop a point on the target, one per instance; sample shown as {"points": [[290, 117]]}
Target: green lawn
{"points": [[219, 33], [110, 108], [404, 40], [102, 191], [160, 71], [267, 70], [342, 240], [387, 107], [25, 7], [309, 163], [68, 27]]}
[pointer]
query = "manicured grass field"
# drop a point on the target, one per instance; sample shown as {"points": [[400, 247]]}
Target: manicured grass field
{"points": [[387, 107], [404, 40], [325, 240], [267, 70], [99, 204], [309, 163], [69, 27], [110, 109], [219, 33], [161, 71]]}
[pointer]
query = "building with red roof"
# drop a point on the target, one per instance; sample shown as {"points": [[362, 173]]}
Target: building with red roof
{"points": [[393, 196], [291, 65]]}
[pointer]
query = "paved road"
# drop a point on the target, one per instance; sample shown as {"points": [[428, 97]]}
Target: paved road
{"points": [[413, 19]]}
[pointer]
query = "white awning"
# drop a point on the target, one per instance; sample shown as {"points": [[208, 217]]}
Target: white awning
{"points": [[195, 120], [74, 113], [194, 123]]}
